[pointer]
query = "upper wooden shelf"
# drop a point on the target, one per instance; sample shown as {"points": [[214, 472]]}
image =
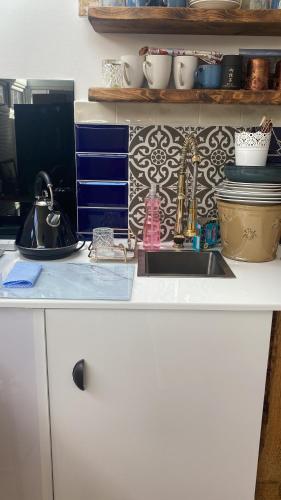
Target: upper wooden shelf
{"points": [[174, 96], [181, 20]]}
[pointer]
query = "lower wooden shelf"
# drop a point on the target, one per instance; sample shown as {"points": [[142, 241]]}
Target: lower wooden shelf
{"points": [[210, 96]]}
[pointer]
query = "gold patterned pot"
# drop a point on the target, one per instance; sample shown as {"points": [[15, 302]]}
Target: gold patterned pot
{"points": [[249, 232]]}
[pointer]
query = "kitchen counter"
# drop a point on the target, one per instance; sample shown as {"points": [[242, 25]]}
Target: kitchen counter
{"points": [[174, 382], [256, 287]]}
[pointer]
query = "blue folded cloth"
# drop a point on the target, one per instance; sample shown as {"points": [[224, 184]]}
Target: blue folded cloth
{"points": [[23, 275]]}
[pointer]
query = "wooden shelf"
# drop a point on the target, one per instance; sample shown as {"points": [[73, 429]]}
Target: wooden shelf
{"points": [[182, 20], [185, 96]]}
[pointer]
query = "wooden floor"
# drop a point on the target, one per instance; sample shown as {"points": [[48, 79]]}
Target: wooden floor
{"points": [[269, 468]]}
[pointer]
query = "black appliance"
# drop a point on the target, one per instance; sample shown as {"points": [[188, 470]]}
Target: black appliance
{"points": [[36, 133], [47, 231]]}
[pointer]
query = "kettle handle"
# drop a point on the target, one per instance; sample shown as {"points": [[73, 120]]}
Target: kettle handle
{"points": [[40, 178]]}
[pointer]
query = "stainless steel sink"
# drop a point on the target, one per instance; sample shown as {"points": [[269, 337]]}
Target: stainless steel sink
{"points": [[183, 263]]}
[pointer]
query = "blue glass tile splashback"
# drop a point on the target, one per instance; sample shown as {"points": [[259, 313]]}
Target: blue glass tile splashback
{"points": [[88, 218], [113, 167], [102, 194], [102, 138]]}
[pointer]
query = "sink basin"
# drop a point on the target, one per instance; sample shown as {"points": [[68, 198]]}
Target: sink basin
{"points": [[183, 263]]}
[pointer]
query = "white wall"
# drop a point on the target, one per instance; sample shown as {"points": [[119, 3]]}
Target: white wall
{"points": [[47, 39]]}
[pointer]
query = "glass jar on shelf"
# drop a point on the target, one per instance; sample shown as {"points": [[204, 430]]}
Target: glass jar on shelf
{"points": [[112, 73], [112, 3], [146, 3], [259, 4]]}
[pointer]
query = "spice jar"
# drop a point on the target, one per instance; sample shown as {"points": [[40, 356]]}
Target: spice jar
{"points": [[257, 74], [231, 72]]}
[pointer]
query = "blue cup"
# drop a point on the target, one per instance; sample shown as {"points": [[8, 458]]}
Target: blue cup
{"points": [[208, 76], [175, 3], [147, 3]]}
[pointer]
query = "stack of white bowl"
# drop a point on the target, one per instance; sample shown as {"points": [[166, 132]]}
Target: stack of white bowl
{"points": [[214, 4], [249, 193], [250, 220]]}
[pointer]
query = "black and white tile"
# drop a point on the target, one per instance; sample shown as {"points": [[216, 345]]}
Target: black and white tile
{"points": [[154, 156]]}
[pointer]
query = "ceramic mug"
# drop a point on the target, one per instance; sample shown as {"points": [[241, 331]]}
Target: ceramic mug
{"points": [[175, 3], [157, 70], [184, 69], [231, 72], [208, 76], [132, 71], [149, 3]]}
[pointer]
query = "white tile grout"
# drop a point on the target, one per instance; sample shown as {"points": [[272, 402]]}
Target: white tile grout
{"points": [[202, 115]]}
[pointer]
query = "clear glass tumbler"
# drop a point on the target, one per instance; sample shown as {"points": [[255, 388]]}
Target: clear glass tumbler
{"points": [[103, 241], [112, 73]]}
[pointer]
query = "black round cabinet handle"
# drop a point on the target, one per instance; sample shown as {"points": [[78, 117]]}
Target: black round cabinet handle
{"points": [[78, 374]]}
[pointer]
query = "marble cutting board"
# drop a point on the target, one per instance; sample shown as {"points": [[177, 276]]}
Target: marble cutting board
{"points": [[73, 281]]}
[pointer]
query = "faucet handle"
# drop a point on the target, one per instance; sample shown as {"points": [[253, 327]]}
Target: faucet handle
{"points": [[196, 158]]}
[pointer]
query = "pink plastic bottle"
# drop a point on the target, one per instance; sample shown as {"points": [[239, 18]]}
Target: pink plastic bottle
{"points": [[151, 226]]}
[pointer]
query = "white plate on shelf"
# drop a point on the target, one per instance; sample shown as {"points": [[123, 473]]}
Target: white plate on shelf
{"points": [[250, 189], [248, 194], [214, 4], [208, 4], [270, 194], [249, 202], [252, 185]]}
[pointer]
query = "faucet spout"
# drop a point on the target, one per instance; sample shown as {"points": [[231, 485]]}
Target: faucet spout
{"points": [[186, 213]]}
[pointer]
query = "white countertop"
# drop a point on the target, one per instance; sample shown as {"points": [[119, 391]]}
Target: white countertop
{"points": [[256, 287]]}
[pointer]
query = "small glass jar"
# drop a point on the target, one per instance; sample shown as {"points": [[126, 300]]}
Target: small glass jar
{"points": [[259, 4], [112, 73], [112, 3], [150, 3]]}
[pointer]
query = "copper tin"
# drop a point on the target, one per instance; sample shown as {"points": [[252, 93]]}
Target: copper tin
{"points": [[277, 76], [257, 74]]}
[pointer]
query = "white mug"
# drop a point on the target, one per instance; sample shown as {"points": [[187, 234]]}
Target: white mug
{"points": [[132, 71], [157, 71], [184, 71]]}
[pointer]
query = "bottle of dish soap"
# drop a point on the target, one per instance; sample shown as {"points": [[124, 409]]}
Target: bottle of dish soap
{"points": [[151, 227]]}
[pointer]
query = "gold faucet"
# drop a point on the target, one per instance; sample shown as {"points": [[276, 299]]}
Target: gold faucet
{"points": [[186, 216]]}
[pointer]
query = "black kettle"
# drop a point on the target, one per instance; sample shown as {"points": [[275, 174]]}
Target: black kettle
{"points": [[46, 232]]}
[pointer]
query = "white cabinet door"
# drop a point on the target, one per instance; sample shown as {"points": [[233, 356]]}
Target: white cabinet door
{"points": [[25, 467], [172, 403]]}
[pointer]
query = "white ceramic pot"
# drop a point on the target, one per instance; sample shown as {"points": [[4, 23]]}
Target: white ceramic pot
{"points": [[251, 148]]}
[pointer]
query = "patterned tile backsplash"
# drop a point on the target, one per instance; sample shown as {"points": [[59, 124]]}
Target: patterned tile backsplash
{"points": [[154, 156]]}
